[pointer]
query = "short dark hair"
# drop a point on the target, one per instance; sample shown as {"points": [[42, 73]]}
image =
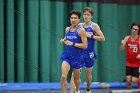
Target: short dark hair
{"points": [[89, 9], [136, 24], [76, 13]]}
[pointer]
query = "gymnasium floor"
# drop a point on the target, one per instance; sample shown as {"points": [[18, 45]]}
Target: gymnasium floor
{"points": [[54, 91], [108, 87]]}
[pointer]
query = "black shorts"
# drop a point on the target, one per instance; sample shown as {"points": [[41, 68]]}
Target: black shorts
{"points": [[133, 71]]}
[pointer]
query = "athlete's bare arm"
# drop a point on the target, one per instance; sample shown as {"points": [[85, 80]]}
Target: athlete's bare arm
{"points": [[62, 40], [123, 43], [99, 34]]}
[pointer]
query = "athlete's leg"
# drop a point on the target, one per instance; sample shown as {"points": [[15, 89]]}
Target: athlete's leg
{"points": [[72, 84], [129, 80], [76, 76], [129, 77], [134, 79], [65, 69], [89, 77], [135, 75]]}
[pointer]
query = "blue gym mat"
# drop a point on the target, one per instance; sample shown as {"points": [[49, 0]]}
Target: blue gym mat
{"points": [[96, 87]]}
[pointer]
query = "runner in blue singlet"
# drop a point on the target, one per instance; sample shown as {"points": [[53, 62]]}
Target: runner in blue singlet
{"points": [[75, 40]]}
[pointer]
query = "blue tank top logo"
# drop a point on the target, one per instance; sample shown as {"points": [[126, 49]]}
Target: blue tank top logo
{"points": [[71, 37]]}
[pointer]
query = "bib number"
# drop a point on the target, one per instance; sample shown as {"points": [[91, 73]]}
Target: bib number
{"points": [[91, 55], [135, 49]]}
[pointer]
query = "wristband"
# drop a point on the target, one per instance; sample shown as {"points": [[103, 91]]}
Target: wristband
{"points": [[73, 44]]}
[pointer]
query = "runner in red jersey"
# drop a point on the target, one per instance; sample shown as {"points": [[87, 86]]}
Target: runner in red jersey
{"points": [[132, 52], [132, 44]]}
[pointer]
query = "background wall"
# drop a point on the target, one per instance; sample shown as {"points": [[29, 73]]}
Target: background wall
{"points": [[30, 31]]}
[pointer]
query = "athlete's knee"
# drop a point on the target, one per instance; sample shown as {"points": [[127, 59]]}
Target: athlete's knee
{"points": [[128, 80], [134, 80], [63, 78], [77, 80]]}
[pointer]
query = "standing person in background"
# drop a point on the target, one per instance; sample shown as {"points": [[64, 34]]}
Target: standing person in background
{"points": [[75, 40], [93, 33], [132, 44]]}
